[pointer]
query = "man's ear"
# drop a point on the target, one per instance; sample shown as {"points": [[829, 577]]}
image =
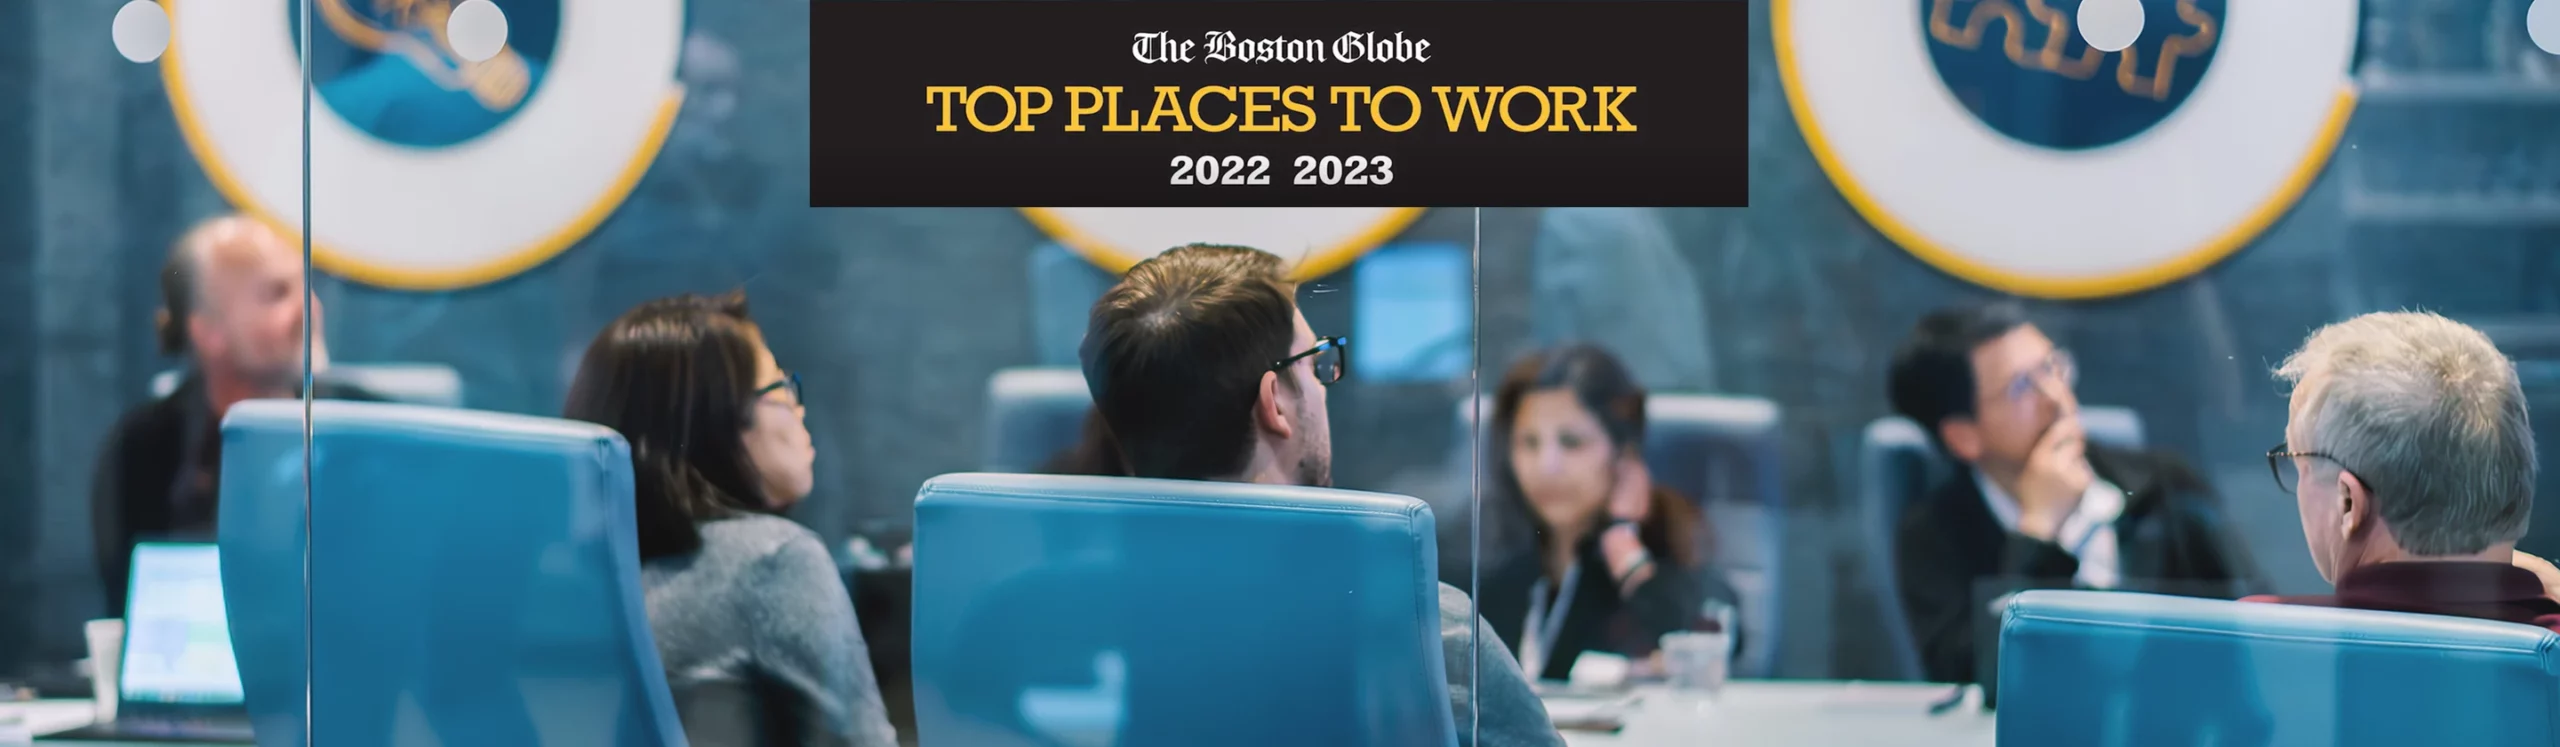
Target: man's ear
{"points": [[1269, 409], [202, 337], [2355, 505], [1963, 438]]}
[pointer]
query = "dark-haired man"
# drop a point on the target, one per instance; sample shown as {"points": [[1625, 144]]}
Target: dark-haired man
{"points": [[2034, 505], [231, 304], [1204, 369]]}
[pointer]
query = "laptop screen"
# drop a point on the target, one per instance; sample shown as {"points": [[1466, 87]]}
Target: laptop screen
{"points": [[177, 639]]}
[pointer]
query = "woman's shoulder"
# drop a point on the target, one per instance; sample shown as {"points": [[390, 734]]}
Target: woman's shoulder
{"points": [[757, 537]]}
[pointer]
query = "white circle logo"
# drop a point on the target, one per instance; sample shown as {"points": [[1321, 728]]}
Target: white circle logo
{"points": [[1317, 241], [430, 168], [1993, 141]]}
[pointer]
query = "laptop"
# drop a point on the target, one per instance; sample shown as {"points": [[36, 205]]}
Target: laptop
{"points": [[178, 681]]}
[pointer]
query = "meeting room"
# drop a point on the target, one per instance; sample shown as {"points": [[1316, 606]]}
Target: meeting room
{"points": [[2147, 372]]}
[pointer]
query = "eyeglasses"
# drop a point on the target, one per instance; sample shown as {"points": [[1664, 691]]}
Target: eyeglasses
{"points": [[2280, 461], [1331, 354], [2059, 365], [789, 382]]}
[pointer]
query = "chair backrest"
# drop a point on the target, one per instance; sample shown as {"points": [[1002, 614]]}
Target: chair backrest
{"points": [[413, 383], [1898, 464], [2090, 668], [1159, 613], [1724, 452], [473, 577], [1032, 414]]}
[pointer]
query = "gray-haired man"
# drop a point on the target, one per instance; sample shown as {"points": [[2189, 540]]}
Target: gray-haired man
{"points": [[2409, 454]]}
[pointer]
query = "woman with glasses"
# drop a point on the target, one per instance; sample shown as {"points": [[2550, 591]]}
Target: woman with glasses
{"points": [[1618, 561], [752, 622]]}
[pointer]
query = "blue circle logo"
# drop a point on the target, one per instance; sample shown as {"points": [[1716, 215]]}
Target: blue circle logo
{"points": [[2021, 66], [386, 67]]}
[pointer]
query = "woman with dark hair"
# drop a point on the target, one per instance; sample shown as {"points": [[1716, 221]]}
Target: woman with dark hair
{"points": [[1094, 453], [1619, 561], [753, 624]]}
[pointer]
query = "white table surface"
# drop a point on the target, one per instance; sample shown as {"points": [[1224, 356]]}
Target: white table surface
{"points": [[1748, 714]]}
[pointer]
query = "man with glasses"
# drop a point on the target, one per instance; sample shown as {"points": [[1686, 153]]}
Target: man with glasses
{"points": [[2408, 452], [1203, 368], [2035, 506]]}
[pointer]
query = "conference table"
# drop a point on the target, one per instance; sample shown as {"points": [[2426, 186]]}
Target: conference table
{"points": [[1750, 713]]}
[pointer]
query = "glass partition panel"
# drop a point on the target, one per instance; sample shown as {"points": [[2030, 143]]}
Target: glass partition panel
{"points": [[549, 231], [156, 304]]}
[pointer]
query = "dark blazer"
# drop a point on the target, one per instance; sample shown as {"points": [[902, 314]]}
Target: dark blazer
{"points": [[1598, 618], [158, 476], [1954, 559]]}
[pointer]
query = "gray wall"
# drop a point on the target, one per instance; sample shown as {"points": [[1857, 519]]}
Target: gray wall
{"points": [[896, 317]]}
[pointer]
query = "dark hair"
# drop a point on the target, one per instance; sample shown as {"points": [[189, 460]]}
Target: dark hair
{"points": [[1931, 378], [1174, 355], [677, 378], [1094, 453], [177, 301], [1673, 527]]}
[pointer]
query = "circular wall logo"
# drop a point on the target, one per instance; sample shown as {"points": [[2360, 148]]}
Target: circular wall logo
{"points": [[1994, 141], [429, 169], [1317, 241]]}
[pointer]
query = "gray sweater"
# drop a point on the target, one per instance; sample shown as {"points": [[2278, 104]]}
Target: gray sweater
{"points": [[1513, 715], [759, 641]]}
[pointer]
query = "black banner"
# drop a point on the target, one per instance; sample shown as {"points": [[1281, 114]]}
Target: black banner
{"points": [[1317, 103]]}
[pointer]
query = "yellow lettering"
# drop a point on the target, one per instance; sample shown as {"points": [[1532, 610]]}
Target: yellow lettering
{"points": [[1024, 93], [1113, 124], [943, 95], [972, 106], [1350, 105], [1257, 103], [1168, 103], [1467, 104], [1413, 113], [1203, 123], [1609, 108], [1299, 99], [1081, 100], [1514, 124], [1564, 110]]}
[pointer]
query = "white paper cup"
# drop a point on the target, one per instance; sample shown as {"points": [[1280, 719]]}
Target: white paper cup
{"points": [[1696, 661], [106, 656]]}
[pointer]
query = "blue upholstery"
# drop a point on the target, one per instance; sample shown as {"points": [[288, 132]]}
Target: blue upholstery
{"points": [[1155, 613], [474, 578], [1032, 414], [413, 383], [1724, 452], [2093, 668], [1897, 466], [264, 541]]}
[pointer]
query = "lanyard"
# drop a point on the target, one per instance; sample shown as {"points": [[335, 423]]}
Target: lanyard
{"points": [[1538, 637]]}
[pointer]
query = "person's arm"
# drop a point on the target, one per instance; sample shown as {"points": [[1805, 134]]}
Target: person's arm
{"points": [[809, 645], [1666, 603], [1483, 676], [1945, 605]]}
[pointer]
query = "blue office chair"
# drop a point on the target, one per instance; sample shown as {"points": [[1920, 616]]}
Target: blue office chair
{"points": [[473, 578], [1898, 465], [1156, 613], [1032, 414], [2101, 668], [1724, 452]]}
